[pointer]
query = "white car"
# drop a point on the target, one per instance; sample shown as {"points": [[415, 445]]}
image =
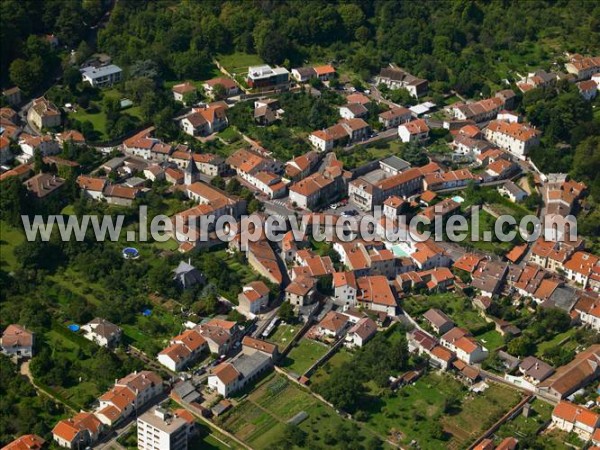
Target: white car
{"points": [[333, 206]]}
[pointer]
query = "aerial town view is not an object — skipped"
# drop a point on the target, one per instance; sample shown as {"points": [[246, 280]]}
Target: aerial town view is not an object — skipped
{"points": [[340, 224]]}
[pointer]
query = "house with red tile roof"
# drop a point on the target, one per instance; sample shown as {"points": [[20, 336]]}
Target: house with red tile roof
{"points": [[578, 373], [253, 298], [263, 260], [244, 368], [517, 138], [347, 130], [360, 333], [251, 345], [423, 343], [26, 442], [301, 291], [583, 66], [479, 111], [300, 166], [344, 287], [182, 350], [325, 72], [467, 349], [81, 430], [220, 335], [588, 308], [468, 262], [44, 114], [231, 87], [428, 255], [569, 417], [552, 255], [205, 120], [580, 266], [374, 292], [413, 131], [333, 324], [17, 341], [394, 117]]}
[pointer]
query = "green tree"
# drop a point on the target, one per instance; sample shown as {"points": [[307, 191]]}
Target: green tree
{"points": [[286, 312]]}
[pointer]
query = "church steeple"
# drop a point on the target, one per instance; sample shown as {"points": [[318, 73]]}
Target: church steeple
{"points": [[191, 171]]}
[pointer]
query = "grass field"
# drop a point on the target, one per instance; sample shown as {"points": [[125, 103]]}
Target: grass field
{"points": [[556, 340], [238, 62], [486, 225], [304, 355], [284, 334], [260, 418], [98, 119], [339, 358], [491, 340], [10, 237], [418, 411], [526, 426]]}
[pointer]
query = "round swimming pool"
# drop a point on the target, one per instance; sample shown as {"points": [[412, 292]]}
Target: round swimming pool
{"points": [[130, 253]]}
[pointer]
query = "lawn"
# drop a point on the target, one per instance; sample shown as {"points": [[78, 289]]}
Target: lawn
{"points": [[229, 135], [98, 119], [238, 62], [456, 306], [362, 154], [65, 347], [304, 355], [10, 237], [340, 357], [522, 426], [283, 334], [556, 340], [420, 412], [260, 418], [485, 235], [491, 340]]}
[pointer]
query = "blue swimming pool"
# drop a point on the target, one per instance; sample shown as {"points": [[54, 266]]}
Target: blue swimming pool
{"points": [[130, 253]]}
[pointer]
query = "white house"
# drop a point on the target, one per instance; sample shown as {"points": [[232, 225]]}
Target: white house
{"points": [[333, 324], [253, 298], [229, 377], [183, 350], [569, 417], [413, 131], [17, 341], [361, 332], [102, 76], [102, 332], [344, 286], [516, 138]]}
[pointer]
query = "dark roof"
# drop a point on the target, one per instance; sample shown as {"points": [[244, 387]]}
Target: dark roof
{"points": [[396, 163]]}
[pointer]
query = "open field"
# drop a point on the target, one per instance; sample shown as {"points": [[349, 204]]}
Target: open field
{"points": [[304, 355], [238, 62], [10, 237], [424, 412], [261, 417]]}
